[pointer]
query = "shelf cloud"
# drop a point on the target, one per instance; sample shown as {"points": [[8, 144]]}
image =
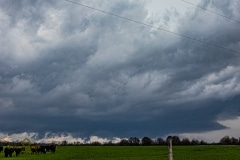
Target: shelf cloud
{"points": [[66, 68]]}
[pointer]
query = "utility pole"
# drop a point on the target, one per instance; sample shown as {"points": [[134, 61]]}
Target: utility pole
{"points": [[170, 154]]}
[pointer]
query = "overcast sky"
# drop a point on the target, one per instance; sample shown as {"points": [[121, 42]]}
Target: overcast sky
{"points": [[65, 68]]}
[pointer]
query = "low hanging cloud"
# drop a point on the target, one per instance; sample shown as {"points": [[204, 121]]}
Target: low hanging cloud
{"points": [[221, 85], [57, 138], [66, 68]]}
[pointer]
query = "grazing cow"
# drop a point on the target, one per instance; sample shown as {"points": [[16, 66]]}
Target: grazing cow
{"points": [[42, 149], [38, 149], [18, 150], [8, 152], [49, 148], [33, 149], [52, 148], [1, 149]]}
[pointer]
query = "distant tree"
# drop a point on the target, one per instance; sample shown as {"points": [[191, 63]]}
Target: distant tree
{"points": [[134, 141], [225, 140], [234, 141], [185, 141], [77, 143], [96, 143], [175, 140], [203, 142], [109, 143], [146, 141], [160, 141], [64, 143], [124, 142], [195, 142]]}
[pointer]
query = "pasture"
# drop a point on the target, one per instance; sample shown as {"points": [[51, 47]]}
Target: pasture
{"points": [[208, 152]]}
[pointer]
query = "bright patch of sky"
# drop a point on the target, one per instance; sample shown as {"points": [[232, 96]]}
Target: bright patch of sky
{"points": [[232, 130], [162, 11]]}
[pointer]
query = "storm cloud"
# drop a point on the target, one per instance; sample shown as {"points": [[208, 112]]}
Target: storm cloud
{"points": [[66, 68]]}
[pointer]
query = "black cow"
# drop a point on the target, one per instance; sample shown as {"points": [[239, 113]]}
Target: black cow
{"points": [[1, 149], [34, 149], [18, 150], [42, 149], [8, 152], [52, 148], [38, 149]]}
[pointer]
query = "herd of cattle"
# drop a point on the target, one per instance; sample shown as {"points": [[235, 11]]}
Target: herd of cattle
{"points": [[34, 149]]}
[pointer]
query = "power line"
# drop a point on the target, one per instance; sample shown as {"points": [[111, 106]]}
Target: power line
{"points": [[151, 26], [211, 11]]}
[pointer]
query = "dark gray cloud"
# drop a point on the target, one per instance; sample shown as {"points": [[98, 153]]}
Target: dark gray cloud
{"points": [[64, 68]]}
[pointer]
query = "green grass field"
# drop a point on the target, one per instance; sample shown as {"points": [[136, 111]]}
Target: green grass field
{"points": [[135, 153]]}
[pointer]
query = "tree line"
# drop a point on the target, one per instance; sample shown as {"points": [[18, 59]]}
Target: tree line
{"points": [[147, 141], [134, 141]]}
